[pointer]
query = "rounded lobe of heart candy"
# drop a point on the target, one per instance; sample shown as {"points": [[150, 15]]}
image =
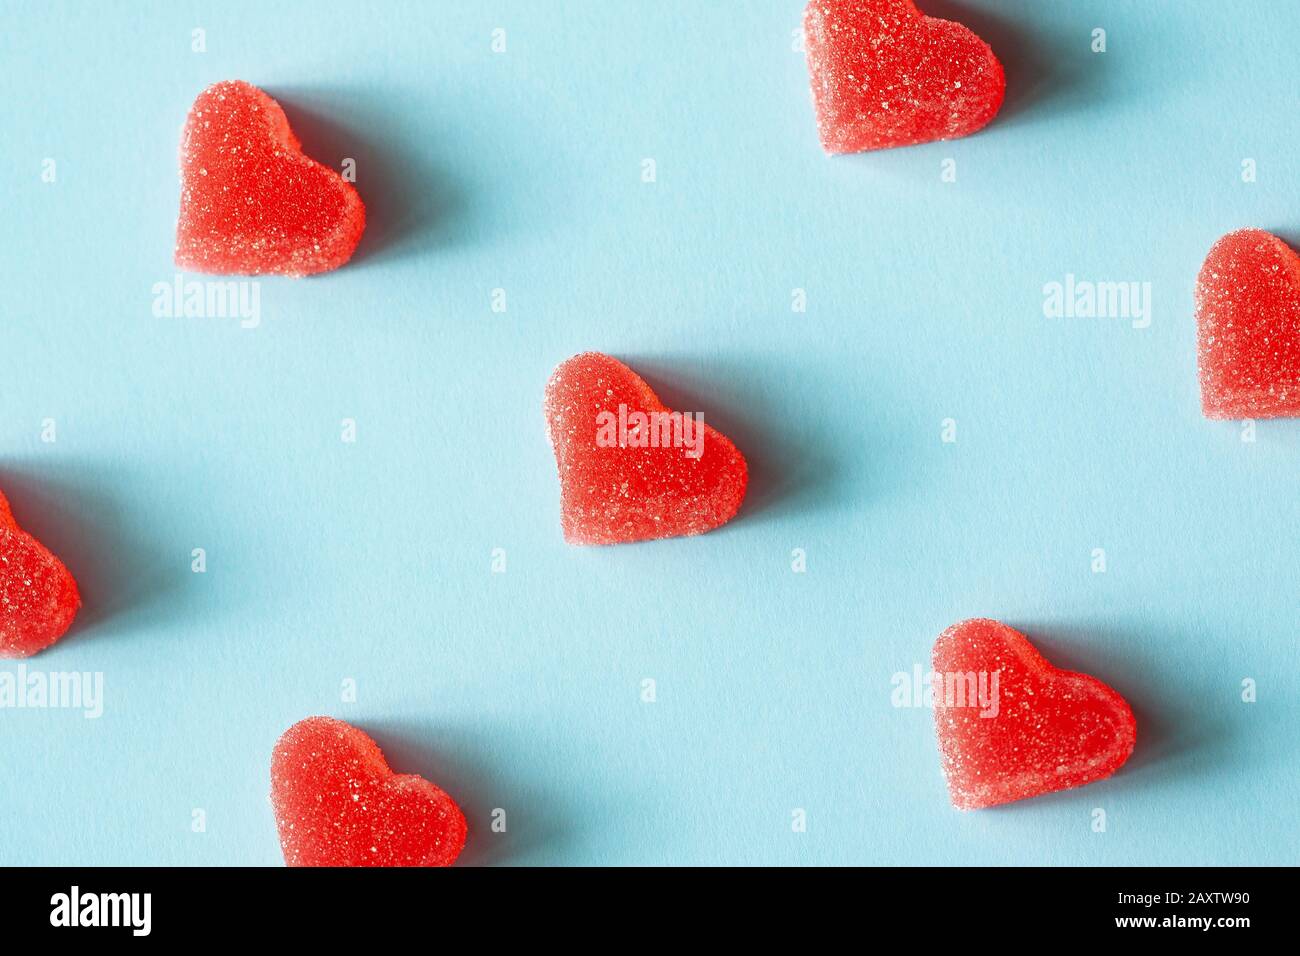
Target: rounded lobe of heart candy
{"points": [[1248, 327], [38, 595], [251, 202], [884, 75], [1012, 726], [337, 803], [621, 481]]}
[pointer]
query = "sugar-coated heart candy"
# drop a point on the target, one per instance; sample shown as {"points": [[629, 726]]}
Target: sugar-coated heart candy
{"points": [[1011, 726], [1248, 324], [884, 74], [251, 202], [38, 597], [631, 469], [337, 803]]}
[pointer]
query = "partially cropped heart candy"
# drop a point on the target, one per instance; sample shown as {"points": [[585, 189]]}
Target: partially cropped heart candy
{"points": [[630, 468], [884, 74], [337, 803], [1011, 726], [251, 202], [38, 597], [1248, 320]]}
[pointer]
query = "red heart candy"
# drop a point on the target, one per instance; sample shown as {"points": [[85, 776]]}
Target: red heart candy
{"points": [[631, 469], [1248, 327], [884, 74], [337, 803], [1011, 726], [38, 597], [251, 202]]}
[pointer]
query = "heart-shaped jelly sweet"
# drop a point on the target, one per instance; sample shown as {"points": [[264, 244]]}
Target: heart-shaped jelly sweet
{"points": [[1011, 726], [337, 803], [251, 202], [884, 74], [1248, 325], [631, 469], [38, 596]]}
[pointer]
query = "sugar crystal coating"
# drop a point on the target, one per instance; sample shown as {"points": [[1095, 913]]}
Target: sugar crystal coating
{"points": [[38, 596], [646, 484], [1036, 730], [337, 803], [251, 202], [1248, 327], [883, 74]]}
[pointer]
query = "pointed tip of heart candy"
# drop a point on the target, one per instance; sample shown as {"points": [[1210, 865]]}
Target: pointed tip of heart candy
{"points": [[886, 75], [39, 598], [1248, 327], [630, 468], [1011, 726], [338, 803], [259, 207]]}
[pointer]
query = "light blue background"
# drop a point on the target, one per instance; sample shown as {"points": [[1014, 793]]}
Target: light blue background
{"points": [[522, 171]]}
